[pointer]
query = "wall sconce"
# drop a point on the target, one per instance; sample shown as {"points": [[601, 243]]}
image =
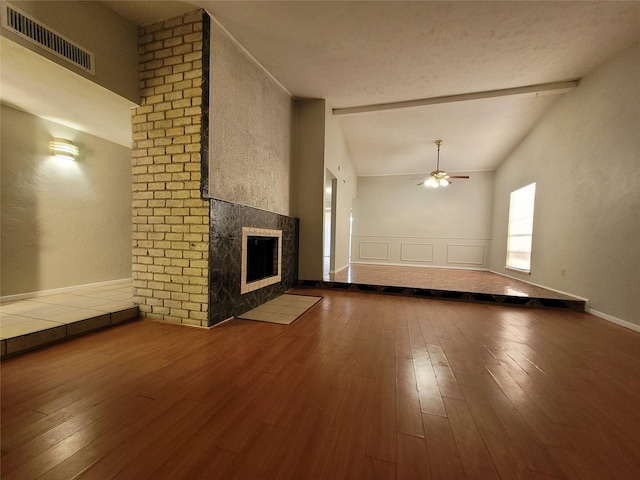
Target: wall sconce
{"points": [[63, 148]]}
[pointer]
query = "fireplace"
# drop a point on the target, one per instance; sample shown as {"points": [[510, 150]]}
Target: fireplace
{"points": [[261, 258], [231, 225]]}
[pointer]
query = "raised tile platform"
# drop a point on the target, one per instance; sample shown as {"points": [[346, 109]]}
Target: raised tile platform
{"points": [[39, 321]]}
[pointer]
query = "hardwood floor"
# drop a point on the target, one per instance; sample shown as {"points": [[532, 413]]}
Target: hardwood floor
{"points": [[363, 386]]}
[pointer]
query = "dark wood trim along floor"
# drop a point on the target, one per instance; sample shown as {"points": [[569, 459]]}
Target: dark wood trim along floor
{"points": [[362, 386], [477, 286], [462, 296]]}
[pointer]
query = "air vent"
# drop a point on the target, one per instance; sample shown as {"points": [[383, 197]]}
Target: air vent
{"points": [[20, 23]]}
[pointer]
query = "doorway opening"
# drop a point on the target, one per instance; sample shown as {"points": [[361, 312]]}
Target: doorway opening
{"points": [[329, 225]]}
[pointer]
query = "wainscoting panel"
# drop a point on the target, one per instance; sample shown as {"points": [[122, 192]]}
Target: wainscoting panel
{"points": [[416, 252], [471, 253], [374, 250], [465, 254]]}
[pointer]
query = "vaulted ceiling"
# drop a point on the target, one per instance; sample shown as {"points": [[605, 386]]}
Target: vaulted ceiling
{"points": [[368, 53], [422, 71]]}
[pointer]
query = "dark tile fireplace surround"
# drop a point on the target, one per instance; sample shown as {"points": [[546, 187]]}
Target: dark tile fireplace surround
{"points": [[225, 258]]}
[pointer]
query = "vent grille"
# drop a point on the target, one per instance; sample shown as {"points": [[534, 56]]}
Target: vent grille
{"points": [[29, 28]]}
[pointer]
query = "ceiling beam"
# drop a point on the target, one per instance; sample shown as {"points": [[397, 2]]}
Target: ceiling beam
{"points": [[543, 89]]}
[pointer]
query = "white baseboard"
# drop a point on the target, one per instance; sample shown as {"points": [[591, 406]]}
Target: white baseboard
{"points": [[612, 319], [595, 313], [586, 300], [54, 291], [219, 323], [338, 270], [446, 267]]}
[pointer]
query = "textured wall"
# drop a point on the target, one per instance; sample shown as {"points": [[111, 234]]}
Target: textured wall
{"points": [[250, 131], [170, 218], [63, 223], [584, 156]]}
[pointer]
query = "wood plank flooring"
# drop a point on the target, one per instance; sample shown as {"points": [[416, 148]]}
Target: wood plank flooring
{"points": [[363, 386]]}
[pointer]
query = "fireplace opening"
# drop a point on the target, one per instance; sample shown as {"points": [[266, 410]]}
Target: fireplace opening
{"points": [[262, 257]]}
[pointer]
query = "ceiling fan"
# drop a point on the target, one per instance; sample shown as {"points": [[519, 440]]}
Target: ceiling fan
{"points": [[439, 178]]}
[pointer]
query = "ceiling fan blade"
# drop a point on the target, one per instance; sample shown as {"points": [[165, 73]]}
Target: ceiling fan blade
{"points": [[458, 176]]}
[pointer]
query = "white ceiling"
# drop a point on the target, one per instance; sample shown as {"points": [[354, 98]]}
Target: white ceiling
{"points": [[366, 53]]}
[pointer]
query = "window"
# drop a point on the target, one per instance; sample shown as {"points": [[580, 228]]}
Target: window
{"points": [[520, 234]]}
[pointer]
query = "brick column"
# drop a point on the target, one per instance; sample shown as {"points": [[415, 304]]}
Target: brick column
{"points": [[170, 217]]}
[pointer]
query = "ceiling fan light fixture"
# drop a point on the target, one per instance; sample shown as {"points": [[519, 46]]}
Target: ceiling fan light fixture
{"points": [[439, 178], [431, 182]]}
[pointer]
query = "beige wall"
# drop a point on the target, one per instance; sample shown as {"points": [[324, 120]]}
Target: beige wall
{"points": [[251, 122], [63, 223], [398, 222], [320, 154], [94, 27], [308, 185], [585, 158]]}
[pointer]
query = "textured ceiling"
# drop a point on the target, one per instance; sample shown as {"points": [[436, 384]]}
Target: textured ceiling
{"points": [[367, 53], [355, 53], [363, 53]]}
